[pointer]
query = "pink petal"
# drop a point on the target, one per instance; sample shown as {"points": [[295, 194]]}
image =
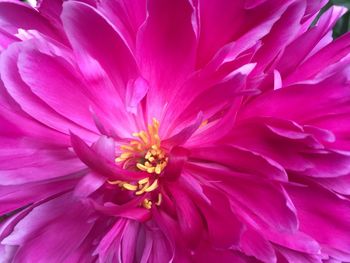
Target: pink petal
{"points": [[166, 38], [30, 103], [126, 16], [99, 163], [53, 82], [50, 231], [27, 163], [89, 184], [97, 41], [242, 160], [254, 244], [15, 15], [322, 210]]}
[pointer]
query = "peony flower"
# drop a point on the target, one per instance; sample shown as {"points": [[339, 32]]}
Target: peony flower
{"points": [[173, 131]]}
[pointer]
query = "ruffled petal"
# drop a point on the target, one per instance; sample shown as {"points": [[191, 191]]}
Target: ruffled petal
{"points": [[322, 210], [97, 41], [166, 38], [49, 231], [23, 161]]}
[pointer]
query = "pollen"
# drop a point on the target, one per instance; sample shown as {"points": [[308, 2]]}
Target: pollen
{"points": [[147, 149], [145, 154]]}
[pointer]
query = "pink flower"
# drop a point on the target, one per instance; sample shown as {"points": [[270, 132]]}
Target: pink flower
{"points": [[173, 131]]}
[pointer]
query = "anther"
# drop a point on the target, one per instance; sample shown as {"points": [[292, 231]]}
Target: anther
{"points": [[147, 203], [153, 186], [160, 198], [143, 181], [140, 192], [129, 187]]}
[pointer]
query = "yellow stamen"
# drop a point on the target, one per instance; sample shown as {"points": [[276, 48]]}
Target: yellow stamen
{"points": [[147, 203], [152, 187], [140, 192], [118, 160], [158, 169], [143, 137], [160, 198], [155, 123], [151, 170], [114, 182], [143, 181], [146, 153], [141, 167], [126, 155], [127, 148], [157, 139], [129, 187]]}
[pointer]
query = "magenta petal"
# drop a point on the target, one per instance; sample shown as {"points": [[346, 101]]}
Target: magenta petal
{"points": [[6, 39], [253, 244], [56, 85], [35, 164], [166, 38], [129, 242], [15, 15], [225, 92], [340, 184], [89, 184], [327, 56], [126, 16], [295, 256], [311, 210], [129, 210], [182, 136], [40, 240], [242, 160], [274, 211], [178, 157], [30, 103], [99, 163], [50, 9], [278, 37], [17, 196], [190, 221], [220, 21], [294, 55], [104, 147], [98, 41], [206, 253], [135, 92], [220, 207], [112, 239]]}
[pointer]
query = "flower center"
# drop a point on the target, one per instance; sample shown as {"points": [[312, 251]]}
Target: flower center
{"points": [[145, 154]]}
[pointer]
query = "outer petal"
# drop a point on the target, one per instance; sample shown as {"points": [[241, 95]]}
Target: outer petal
{"points": [[322, 210], [258, 201], [98, 162], [50, 232], [16, 15], [22, 161], [126, 16], [166, 38], [294, 55], [53, 81], [97, 41], [31, 104], [241, 160]]}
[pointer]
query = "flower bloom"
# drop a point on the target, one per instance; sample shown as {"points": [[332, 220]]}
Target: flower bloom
{"points": [[173, 131]]}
